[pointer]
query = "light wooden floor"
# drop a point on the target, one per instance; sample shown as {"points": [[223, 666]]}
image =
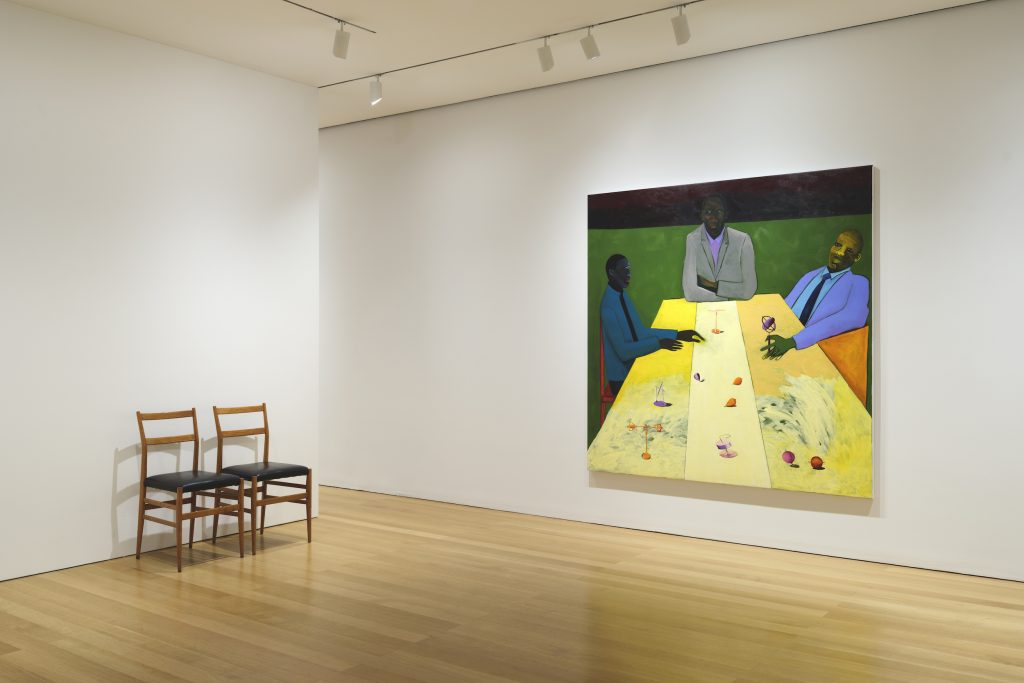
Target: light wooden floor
{"points": [[393, 589]]}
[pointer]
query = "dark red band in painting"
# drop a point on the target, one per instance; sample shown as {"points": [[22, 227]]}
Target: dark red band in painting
{"points": [[836, 192]]}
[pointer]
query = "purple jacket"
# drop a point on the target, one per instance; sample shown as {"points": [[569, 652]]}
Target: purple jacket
{"points": [[843, 308]]}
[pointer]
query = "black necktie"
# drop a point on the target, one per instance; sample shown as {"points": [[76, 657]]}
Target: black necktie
{"points": [[625, 310], [805, 315]]}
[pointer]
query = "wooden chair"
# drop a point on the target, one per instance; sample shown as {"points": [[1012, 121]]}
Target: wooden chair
{"points": [[606, 396], [193, 482], [260, 474]]}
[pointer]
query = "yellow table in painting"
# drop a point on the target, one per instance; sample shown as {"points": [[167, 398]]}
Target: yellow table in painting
{"points": [[730, 414]]}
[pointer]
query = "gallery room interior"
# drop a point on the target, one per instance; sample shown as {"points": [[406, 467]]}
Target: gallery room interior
{"points": [[202, 209]]}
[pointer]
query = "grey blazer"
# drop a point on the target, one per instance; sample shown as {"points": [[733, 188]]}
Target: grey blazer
{"points": [[735, 273]]}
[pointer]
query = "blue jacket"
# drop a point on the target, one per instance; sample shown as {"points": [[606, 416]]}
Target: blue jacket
{"points": [[843, 308], [619, 348]]}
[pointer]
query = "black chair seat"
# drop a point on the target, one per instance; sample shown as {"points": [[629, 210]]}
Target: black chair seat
{"points": [[191, 481], [265, 471]]}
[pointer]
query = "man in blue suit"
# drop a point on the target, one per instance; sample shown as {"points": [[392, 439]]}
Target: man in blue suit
{"points": [[829, 300], [625, 337]]}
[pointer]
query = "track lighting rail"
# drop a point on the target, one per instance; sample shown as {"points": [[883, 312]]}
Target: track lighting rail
{"points": [[331, 16], [506, 45]]}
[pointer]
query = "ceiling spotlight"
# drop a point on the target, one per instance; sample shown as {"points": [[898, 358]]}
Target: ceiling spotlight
{"points": [[547, 60], [341, 41], [589, 45], [376, 92], [681, 26]]}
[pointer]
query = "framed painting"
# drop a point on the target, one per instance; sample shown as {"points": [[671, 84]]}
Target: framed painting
{"points": [[729, 332]]}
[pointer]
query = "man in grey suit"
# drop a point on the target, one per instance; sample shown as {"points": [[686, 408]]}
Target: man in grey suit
{"points": [[719, 261]]}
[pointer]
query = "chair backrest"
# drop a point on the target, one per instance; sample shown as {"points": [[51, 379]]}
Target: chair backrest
{"points": [[229, 433], [604, 391], [161, 440]]}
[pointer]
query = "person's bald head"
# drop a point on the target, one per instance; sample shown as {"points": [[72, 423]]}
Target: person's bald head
{"points": [[846, 250]]}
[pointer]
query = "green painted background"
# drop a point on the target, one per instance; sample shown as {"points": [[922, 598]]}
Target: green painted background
{"points": [[783, 250]]}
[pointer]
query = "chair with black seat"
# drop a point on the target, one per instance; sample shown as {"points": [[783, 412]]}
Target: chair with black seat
{"points": [[261, 473], [194, 482]]}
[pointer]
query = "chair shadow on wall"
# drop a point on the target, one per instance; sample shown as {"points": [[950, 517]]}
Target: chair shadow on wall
{"points": [[125, 491]]}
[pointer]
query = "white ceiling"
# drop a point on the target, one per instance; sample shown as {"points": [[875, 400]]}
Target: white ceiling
{"points": [[278, 38]]}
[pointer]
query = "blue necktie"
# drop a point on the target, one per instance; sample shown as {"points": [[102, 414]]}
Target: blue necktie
{"points": [[805, 314]]}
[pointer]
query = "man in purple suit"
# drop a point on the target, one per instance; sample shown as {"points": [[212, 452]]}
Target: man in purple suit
{"points": [[829, 300]]}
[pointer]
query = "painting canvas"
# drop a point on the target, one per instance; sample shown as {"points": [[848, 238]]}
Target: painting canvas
{"points": [[730, 332]]}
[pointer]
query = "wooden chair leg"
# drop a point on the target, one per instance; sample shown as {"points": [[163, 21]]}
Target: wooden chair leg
{"points": [[142, 511], [241, 517], [216, 519], [177, 525], [252, 511], [309, 506], [263, 506], [192, 520]]}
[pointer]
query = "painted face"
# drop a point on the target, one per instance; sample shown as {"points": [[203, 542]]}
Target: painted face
{"points": [[844, 253], [712, 213], [621, 274]]}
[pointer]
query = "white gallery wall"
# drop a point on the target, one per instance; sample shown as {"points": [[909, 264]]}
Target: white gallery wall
{"points": [[158, 213], [453, 268]]}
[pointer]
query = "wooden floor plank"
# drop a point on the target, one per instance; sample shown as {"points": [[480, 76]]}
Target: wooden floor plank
{"points": [[397, 590]]}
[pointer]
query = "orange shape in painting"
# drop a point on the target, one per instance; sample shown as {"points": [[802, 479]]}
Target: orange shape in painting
{"points": [[738, 381], [849, 353], [731, 403], [645, 455]]}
